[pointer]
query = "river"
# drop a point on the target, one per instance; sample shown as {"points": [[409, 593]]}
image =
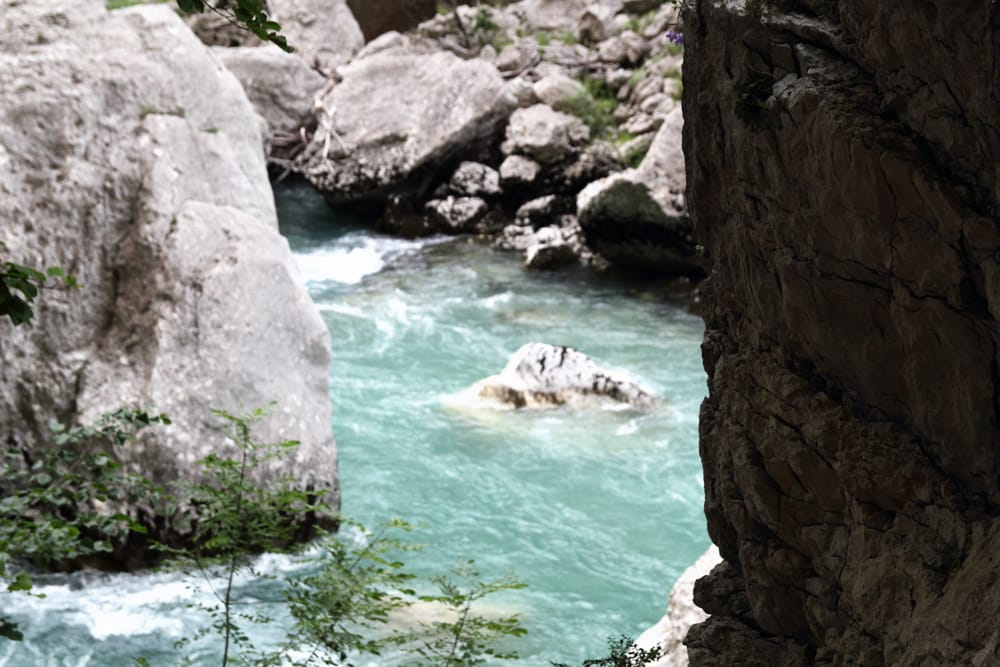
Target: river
{"points": [[597, 510]]}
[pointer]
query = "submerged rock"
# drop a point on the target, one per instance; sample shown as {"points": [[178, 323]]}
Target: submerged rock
{"points": [[539, 374], [456, 214], [549, 249], [397, 117], [132, 159]]}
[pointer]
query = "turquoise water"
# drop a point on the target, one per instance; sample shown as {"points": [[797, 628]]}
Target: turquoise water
{"points": [[598, 511]]}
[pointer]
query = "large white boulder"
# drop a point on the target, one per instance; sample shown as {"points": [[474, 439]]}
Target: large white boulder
{"points": [[131, 157], [539, 374], [396, 116]]}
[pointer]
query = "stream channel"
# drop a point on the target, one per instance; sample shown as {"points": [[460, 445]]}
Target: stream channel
{"points": [[597, 510]]}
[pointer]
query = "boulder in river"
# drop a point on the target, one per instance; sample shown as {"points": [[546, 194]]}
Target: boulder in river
{"points": [[133, 160], [396, 118], [638, 219], [539, 374]]}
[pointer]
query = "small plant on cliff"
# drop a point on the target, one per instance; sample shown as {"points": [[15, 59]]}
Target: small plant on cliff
{"points": [[247, 15]]}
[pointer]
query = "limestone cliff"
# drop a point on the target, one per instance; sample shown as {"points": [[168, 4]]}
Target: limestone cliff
{"points": [[132, 158], [842, 162]]}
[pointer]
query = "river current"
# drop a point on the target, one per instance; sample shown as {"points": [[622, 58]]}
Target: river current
{"points": [[597, 510]]}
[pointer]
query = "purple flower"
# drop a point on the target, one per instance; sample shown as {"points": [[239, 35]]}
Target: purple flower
{"points": [[675, 37]]}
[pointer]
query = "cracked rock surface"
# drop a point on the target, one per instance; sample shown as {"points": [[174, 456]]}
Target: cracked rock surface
{"points": [[138, 167], [842, 161]]}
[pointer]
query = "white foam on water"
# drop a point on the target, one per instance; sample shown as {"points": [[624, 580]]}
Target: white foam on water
{"points": [[351, 257]]}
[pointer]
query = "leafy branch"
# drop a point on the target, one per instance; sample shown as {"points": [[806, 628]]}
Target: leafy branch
{"points": [[247, 15], [19, 286]]}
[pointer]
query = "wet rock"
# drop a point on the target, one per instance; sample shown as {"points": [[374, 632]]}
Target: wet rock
{"points": [[475, 180], [518, 171], [456, 214], [549, 249], [542, 133], [404, 216], [539, 210], [544, 375], [637, 219], [394, 118], [514, 237]]}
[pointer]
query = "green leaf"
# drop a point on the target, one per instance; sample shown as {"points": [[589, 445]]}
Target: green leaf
{"points": [[9, 630], [22, 582]]}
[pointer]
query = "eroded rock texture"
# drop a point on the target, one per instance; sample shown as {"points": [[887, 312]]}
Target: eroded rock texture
{"points": [[132, 158], [842, 162]]}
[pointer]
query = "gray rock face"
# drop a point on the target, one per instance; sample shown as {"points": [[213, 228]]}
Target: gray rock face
{"points": [[682, 613], [380, 16], [323, 32], [544, 134], [280, 86], [137, 166], [396, 116], [843, 178], [543, 375], [637, 219]]}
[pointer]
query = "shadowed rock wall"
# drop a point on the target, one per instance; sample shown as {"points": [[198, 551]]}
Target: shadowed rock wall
{"points": [[378, 16], [842, 169]]}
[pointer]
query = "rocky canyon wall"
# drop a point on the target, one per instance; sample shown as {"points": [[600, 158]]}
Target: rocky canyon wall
{"points": [[842, 162]]}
